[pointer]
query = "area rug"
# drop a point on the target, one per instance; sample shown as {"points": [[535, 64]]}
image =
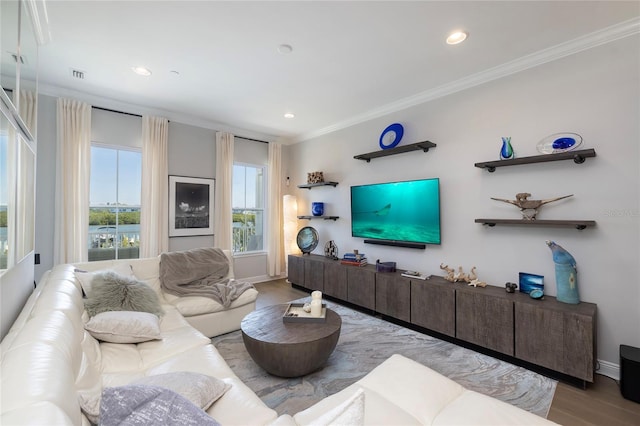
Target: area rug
{"points": [[365, 342]]}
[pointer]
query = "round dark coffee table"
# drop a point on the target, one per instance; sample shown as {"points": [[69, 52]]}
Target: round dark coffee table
{"points": [[288, 349]]}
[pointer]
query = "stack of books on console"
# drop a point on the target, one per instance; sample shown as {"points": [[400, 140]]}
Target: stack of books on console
{"points": [[354, 259]]}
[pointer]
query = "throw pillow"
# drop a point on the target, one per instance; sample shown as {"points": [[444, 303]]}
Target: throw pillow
{"points": [[85, 277], [124, 327], [113, 292], [198, 388], [350, 412], [149, 405]]}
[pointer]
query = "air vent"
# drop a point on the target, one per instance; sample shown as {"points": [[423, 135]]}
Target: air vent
{"points": [[77, 74]]}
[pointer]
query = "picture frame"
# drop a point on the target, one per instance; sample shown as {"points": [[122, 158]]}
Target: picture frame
{"points": [[191, 202]]}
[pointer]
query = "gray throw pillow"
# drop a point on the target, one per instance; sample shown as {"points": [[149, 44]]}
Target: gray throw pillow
{"points": [[149, 406], [113, 292]]}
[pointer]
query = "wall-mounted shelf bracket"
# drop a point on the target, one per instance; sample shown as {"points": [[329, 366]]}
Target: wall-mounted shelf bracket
{"points": [[578, 157], [424, 146]]}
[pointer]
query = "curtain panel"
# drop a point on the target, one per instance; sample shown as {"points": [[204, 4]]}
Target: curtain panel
{"points": [[73, 164], [154, 209], [223, 219], [275, 224]]}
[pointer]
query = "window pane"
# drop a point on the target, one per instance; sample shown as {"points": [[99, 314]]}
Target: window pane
{"points": [[248, 230], [114, 214]]}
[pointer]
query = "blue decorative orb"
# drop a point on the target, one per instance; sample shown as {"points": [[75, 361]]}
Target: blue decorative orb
{"points": [[317, 209]]}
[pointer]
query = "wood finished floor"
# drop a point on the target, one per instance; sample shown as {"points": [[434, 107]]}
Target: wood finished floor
{"points": [[601, 404]]}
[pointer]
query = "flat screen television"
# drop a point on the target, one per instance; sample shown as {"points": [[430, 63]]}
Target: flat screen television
{"points": [[405, 214]]}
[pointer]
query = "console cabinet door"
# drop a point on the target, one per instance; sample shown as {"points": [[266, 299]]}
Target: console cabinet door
{"points": [[539, 335], [393, 296], [335, 280], [313, 274], [485, 320], [556, 337], [296, 270], [433, 306], [361, 287]]}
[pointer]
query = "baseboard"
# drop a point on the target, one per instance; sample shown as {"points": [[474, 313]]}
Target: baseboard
{"points": [[609, 369], [262, 278]]}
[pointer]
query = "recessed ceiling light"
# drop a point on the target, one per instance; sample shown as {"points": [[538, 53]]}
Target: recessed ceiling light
{"points": [[285, 49], [289, 115], [142, 71], [457, 37]]}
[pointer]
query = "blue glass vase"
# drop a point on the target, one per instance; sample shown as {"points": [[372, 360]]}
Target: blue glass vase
{"points": [[506, 152], [317, 209]]}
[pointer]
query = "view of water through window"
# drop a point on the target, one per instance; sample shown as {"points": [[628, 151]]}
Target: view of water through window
{"points": [[114, 209]]}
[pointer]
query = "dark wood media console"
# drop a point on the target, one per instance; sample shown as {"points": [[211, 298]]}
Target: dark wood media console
{"points": [[555, 338]]}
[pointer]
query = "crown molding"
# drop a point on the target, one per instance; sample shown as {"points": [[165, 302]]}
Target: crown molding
{"points": [[589, 41]]}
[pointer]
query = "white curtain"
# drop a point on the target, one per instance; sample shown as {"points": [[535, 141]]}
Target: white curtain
{"points": [[224, 174], [25, 200], [154, 211], [274, 197], [73, 164]]}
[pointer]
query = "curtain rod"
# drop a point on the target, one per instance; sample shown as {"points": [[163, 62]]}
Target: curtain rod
{"points": [[138, 115]]}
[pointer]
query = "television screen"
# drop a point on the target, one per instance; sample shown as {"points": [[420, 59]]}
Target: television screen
{"points": [[407, 211]]}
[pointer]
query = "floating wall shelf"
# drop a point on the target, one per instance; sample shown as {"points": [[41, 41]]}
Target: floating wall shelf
{"points": [[424, 146], [578, 224], [313, 185], [578, 157], [319, 217]]}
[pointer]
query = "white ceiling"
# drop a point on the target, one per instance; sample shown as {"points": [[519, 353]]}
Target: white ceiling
{"points": [[350, 61]]}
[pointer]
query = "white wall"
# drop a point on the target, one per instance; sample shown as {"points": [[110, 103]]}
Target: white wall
{"points": [[594, 93]]}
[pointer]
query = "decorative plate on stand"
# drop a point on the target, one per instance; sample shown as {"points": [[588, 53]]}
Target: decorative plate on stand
{"points": [[307, 239], [559, 142], [331, 250]]}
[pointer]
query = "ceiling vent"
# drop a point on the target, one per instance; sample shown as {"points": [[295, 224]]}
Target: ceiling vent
{"points": [[77, 74]]}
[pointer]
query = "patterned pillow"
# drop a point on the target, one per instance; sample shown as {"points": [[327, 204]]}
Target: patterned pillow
{"points": [[149, 405]]}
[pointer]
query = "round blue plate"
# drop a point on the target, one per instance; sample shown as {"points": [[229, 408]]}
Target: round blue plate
{"points": [[391, 136], [536, 293], [559, 142]]}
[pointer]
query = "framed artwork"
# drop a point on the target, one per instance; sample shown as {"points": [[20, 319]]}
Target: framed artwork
{"points": [[190, 206]]}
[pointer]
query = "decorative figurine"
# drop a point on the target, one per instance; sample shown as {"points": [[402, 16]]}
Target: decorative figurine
{"points": [[510, 287], [477, 283], [449, 275], [460, 275], [529, 208], [566, 274], [472, 279]]}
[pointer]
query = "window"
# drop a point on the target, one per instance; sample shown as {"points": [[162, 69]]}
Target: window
{"points": [[114, 210], [248, 208]]}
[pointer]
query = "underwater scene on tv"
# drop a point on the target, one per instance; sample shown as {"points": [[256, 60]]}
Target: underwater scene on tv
{"points": [[397, 211]]}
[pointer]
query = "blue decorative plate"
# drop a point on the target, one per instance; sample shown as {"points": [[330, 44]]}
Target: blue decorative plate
{"points": [[391, 136], [559, 142], [307, 239], [536, 293]]}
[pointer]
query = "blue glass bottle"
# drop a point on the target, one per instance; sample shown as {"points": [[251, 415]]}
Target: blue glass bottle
{"points": [[506, 152]]}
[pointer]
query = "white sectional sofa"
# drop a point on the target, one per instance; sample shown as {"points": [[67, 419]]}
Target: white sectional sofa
{"points": [[48, 358]]}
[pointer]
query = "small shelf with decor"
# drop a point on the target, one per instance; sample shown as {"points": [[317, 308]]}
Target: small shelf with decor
{"points": [[314, 185], [578, 224], [424, 146], [578, 157], [334, 218]]}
